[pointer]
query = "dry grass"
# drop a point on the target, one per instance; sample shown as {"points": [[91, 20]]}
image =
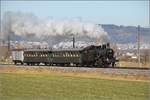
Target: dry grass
{"points": [[132, 64]]}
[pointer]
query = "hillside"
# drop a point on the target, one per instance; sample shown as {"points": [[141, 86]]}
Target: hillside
{"points": [[126, 34]]}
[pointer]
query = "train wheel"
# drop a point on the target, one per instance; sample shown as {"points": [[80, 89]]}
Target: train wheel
{"points": [[45, 64], [21, 63], [15, 62], [28, 64]]}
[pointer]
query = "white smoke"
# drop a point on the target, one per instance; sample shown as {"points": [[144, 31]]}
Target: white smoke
{"points": [[78, 44], [27, 24]]}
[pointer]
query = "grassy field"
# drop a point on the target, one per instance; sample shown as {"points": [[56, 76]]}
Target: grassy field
{"points": [[54, 87]]}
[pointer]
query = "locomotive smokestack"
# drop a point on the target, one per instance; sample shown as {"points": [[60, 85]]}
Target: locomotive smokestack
{"points": [[73, 41], [108, 45]]}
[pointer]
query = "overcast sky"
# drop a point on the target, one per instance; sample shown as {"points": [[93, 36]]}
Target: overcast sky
{"points": [[101, 12]]}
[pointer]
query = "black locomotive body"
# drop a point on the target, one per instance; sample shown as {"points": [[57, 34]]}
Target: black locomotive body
{"points": [[98, 56]]}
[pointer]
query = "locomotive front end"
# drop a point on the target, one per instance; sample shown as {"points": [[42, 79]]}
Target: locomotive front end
{"points": [[105, 56], [110, 57]]}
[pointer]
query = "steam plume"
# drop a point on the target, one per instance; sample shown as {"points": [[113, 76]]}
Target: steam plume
{"points": [[28, 25]]}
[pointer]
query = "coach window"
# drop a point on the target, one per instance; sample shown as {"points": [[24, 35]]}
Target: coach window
{"points": [[74, 54], [33, 54], [59, 54], [64, 54], [77, 54], [70, 54], [39, 54], [44, 54], [56, 54]]}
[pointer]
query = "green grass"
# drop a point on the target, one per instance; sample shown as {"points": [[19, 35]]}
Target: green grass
{"points": [[51, 87]]}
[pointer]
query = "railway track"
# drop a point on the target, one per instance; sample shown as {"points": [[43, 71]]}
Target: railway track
{"points": [[113, 71], [117, 67]]}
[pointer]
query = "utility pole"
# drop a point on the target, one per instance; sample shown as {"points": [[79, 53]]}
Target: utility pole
{"points": [[73, 41], [8, 42], [138, 49]]}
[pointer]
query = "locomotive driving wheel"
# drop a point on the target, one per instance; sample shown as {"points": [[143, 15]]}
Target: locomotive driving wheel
{"points": [[98, 62]]}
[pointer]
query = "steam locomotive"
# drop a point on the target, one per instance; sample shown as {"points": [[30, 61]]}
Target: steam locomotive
{"points": [[97, 56]]}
